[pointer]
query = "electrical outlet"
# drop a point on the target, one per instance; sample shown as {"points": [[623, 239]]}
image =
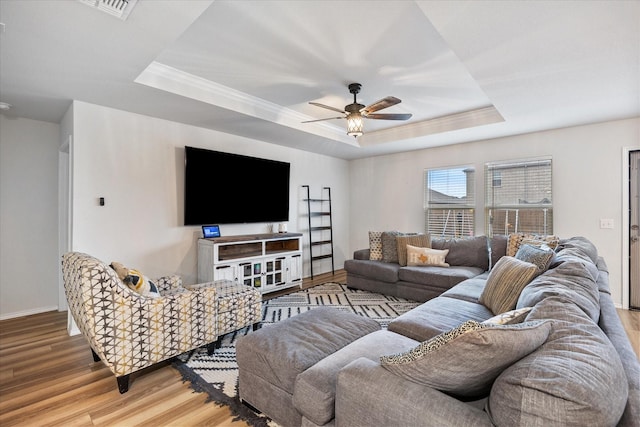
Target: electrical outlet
{"points": [[606, 222]]}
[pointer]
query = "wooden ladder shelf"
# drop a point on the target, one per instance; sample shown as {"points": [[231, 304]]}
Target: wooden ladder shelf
{"points": [[320, 224]]}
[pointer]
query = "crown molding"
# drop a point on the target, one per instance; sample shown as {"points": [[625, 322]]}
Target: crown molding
{"points": [[451, 122], [163, 77]]}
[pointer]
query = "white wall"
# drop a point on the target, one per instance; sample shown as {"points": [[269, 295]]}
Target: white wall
{"points": [[137, 164], [387, 191], [29, 260]]}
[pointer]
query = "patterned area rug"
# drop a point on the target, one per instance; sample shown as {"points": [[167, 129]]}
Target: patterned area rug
{"points": [[217, 375]]}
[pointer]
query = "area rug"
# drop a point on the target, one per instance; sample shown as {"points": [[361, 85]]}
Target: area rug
{"points": [[217, 375]]}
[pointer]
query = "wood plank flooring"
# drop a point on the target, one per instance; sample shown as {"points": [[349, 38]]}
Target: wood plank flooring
{"points": [[49, 378]]}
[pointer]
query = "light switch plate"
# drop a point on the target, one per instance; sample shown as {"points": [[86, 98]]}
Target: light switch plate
{"points": [[606, 222]]}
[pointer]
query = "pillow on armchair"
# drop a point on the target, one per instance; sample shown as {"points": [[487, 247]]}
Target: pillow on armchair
{"points": [[136, 281]]}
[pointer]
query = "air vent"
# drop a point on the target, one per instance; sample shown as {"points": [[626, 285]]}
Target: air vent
{"points": [[118, 8]]}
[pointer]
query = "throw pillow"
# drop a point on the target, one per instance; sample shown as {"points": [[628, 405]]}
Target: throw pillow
{"points": [[466, 360], [541, 255], [135, 280], [419, 240], [389, 246], [425, 256], [375, 245], [505, 282], [516, 239], [510, 317]]}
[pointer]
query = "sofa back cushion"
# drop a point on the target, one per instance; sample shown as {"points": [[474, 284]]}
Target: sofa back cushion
{"points": [[579, 245], [468, 251], [497, 248], [575, 378], [574, 280]]}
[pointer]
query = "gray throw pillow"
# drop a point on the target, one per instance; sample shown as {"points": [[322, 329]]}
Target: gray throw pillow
{"points": [[389, 246], [541, 256], [466, 360]]}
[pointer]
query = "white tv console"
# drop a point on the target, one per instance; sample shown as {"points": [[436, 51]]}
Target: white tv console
{"points": [[269, 262]]}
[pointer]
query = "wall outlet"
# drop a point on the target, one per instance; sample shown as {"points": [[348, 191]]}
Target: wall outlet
{"points": [[606, 222]]}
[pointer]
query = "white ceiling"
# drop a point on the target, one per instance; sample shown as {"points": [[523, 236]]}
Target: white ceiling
{"points": [[466, 70]]}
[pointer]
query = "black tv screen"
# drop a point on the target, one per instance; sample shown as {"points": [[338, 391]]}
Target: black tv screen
{"points": [[225, 188]]}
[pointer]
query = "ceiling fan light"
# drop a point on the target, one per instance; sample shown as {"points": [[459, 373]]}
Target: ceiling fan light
{"points": [[355, 124]]}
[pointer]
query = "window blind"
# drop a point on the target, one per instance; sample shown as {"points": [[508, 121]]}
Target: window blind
{"points": [[449, 202], [518, 197]]}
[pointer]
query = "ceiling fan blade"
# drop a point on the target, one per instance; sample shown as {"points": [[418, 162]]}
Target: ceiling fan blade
{"points": [[320, 120], [327, 107], [382, 116], [379, 105]]}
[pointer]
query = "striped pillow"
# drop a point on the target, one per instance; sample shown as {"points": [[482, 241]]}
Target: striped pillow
{"points": [[515, 240], [505, 283], [418, 240]]}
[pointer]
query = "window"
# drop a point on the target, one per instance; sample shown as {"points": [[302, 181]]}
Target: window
{"points": [[449, 202], [518, 197], [497, 178]]}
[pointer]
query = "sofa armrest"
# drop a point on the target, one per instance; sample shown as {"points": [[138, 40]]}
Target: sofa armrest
{"points": [[153, 329], [166, 283], [369, 395], [361, 254]]}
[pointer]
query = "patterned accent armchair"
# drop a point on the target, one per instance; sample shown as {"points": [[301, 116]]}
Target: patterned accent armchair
{"points": [[128, 331]]}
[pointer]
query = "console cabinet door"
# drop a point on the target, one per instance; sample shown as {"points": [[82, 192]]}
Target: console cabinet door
{"points": [[224, 272], [295, 268]]}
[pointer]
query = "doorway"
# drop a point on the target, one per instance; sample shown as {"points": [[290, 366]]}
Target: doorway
{"points": [[634, 231]]}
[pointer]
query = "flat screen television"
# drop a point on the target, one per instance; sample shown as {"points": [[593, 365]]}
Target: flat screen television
{"points": [[225, 188]]}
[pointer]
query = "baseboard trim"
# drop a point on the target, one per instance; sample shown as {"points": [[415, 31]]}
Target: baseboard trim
{"points": [[28, 312]]}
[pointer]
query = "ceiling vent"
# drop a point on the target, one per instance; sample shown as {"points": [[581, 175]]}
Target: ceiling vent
{"points": [[117, 8]]}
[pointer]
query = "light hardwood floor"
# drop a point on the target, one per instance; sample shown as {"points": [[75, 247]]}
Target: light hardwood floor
{"points": [[49, 378]]}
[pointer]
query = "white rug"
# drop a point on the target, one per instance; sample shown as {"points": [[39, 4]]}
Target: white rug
{"points": [[217, 375]]}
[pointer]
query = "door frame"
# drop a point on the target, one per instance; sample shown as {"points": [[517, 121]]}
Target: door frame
{"points": [[626, 193]]}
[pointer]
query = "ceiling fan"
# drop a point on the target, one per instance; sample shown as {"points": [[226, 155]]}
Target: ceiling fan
{"points": [[354, 113]]}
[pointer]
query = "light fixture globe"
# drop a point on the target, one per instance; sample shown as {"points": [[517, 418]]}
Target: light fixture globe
{"points": [[355, 124]]}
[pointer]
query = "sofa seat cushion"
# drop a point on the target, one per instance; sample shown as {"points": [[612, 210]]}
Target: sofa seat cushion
{"points": [[315, 389], [468, 290], [575, 378], [382, 271], [436, 316], [278, 353], [442, 277]]}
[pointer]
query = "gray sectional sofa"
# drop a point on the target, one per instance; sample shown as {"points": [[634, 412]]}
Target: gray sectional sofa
{"points": [[467, 258], [562, 358]]}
